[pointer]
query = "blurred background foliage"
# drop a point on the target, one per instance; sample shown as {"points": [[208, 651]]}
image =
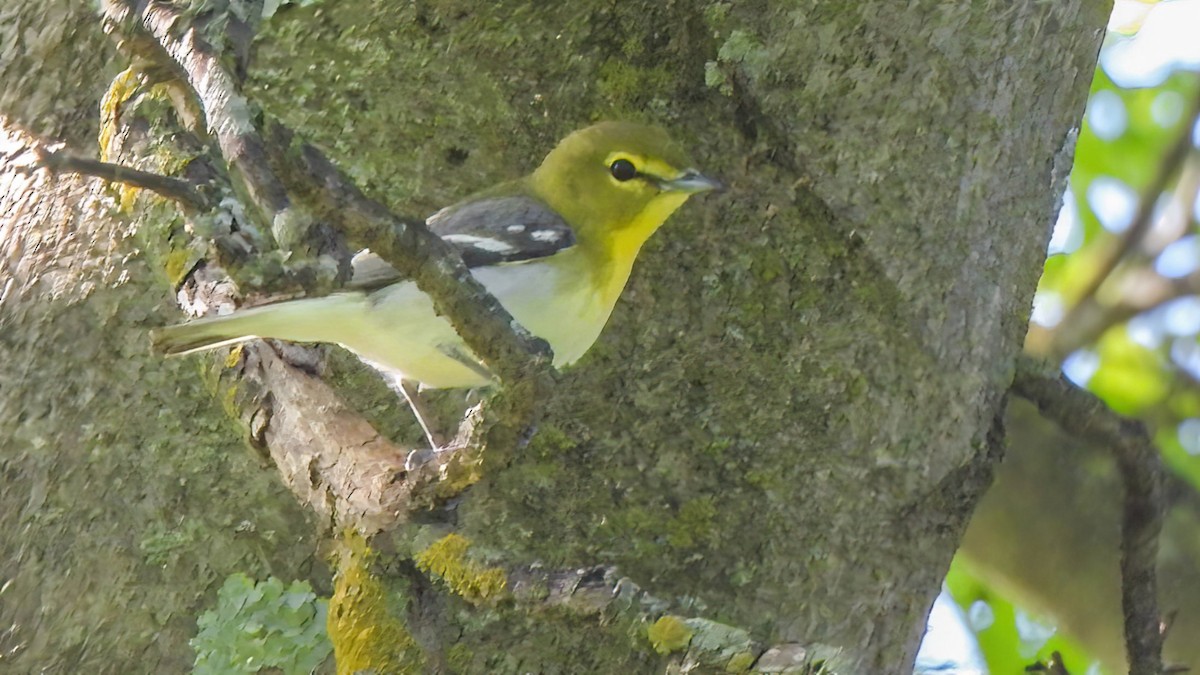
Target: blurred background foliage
{"points": [[1118, 306], [1132, 339]]}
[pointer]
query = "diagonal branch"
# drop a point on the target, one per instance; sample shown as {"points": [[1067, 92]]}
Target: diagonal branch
{"points": [[484, 324], [411, 249], [1083, 415], [1177, 152], [1139, 289], [227, 113], [188, 197], [159, 35]]}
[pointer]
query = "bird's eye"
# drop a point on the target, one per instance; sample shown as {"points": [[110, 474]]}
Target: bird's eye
{"points": [[623, 170]]}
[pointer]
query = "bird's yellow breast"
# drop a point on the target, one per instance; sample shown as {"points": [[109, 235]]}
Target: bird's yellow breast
{"points": [[620, 248], [565, 299]]}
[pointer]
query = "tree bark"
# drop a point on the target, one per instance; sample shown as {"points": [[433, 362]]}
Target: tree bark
{"points": [[785, 426], [128, 496]]}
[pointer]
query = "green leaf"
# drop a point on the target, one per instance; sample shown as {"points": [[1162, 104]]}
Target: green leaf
{"points": [[262, 625]]}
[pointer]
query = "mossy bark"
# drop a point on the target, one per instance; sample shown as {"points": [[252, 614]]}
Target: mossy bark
{"points": [[786, 421]]}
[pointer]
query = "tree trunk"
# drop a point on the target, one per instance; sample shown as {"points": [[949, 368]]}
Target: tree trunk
{"points": [[127, 493], [784, 428]]}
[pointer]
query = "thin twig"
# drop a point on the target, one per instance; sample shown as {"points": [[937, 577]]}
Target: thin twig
{"points": [[1168, 167], [484, 324], [411, 249], [188, 197], [158, 33], [1140, 289], [1153, 291], [1087, 417], [226, 111]]}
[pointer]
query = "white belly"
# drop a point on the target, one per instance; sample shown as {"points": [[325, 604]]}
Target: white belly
{"points": [[400, 333]]}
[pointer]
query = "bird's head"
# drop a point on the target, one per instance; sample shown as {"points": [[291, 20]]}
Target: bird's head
{"points": [[616, 182]]}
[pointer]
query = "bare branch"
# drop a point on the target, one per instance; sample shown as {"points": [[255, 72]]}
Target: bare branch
{"points": [[227, 113], [521, 361], [696, 644], [1082, 414], [484, 324], [327, 454], [411, 249], [1152, 291], [1139, 289], [1169, 166], [188, 197], [334, 461]]}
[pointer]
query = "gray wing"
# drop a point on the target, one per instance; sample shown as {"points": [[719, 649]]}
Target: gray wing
{"points": [[484, 232], [502, 229]]}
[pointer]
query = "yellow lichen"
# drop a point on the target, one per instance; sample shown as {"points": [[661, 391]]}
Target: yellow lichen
{"points": [[669, 634], [234, 356], [122, 88], [176, 265], [740, 662], [366, 636], [229, 399], [119, 91], [447, 560]]}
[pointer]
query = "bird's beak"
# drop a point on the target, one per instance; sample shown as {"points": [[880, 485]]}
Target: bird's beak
{"points": [[692, 181]]}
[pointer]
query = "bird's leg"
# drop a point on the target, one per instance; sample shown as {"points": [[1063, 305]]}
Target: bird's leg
{"points": [[413, 396]]}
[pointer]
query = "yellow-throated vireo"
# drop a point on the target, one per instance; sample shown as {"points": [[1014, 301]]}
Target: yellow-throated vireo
{"points": [[555, 248]]}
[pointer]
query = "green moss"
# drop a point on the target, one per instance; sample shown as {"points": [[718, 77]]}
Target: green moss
{"points": [[160, 545], [715, 78], [550, 440], [511, 640], [669, 634], [720, 645], [718, 447], [769, 266], [743, 47], [630, 87], [447, 560], [463, 471], [694, 522], [270, 7], [741, 50], [177, 264], [716, 14], [459, 657]]}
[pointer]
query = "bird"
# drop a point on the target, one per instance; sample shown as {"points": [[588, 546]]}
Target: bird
{"points": [[555, 248]]}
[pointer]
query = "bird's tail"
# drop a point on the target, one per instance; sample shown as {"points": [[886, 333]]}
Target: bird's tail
{"points": [[304, 320]]}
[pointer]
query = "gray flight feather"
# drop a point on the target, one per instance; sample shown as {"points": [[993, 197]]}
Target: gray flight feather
{"points": [[485, 232]]}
